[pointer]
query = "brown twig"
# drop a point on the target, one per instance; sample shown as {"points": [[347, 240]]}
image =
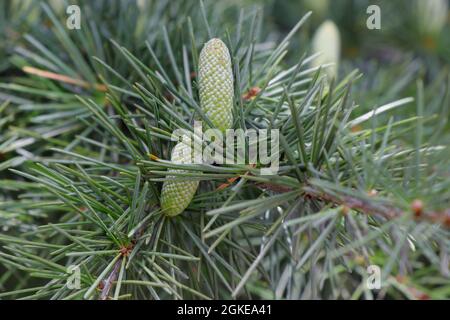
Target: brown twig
{"points": [[387, 211], [107, 284], [63, 78], [274, 187], [384, 210], [125, 251], [355, 204]]}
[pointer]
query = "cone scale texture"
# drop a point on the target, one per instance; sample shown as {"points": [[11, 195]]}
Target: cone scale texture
{"points": [[216, 99], [176, 195], [216, 84]]}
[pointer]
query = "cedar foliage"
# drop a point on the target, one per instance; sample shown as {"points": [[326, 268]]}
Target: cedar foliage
{"points": [[86, 118]]}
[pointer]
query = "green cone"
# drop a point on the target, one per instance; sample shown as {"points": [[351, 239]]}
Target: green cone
{"points": [[431, 16], [327, 42], [176, 195], [216, 84]]}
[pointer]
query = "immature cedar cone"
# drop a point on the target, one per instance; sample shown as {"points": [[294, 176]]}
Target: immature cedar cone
{"points": [[216, 84], [431, 15], [176, 195], [327, 42]]}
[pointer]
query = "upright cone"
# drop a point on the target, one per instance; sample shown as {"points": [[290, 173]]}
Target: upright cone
{"points": [[176, 195], [431, 16], [327, 42], [216, 84]]}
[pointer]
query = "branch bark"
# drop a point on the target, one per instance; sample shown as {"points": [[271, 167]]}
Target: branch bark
{"points": [[361, 205]]}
